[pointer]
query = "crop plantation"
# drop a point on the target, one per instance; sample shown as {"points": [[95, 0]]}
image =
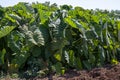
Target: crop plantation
{"points": [[40, 39]]}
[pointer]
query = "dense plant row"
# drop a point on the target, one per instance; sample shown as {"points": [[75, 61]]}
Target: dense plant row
{"points": [[43, 38]]}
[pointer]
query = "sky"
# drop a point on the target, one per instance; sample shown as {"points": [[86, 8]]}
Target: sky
{"points": [[86, 4]]}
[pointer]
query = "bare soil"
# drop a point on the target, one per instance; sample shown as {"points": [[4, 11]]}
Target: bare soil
{"points": [[108, 72]]}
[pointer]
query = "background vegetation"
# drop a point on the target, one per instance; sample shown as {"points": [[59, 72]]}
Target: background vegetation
{"points": [[39, 38]]}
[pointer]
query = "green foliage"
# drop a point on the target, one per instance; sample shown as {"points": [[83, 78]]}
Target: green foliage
{"points": [[2, 56], [6, 30], [40, 37]]}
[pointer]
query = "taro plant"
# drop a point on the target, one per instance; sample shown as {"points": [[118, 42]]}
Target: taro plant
{"points": [[40, 38]]}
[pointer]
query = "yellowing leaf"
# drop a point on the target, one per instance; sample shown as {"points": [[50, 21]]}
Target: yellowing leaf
{"points": [[57, 56], [114, 61]]}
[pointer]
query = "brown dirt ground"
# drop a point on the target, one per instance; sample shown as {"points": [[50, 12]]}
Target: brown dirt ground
{"points": [[109, 72]]}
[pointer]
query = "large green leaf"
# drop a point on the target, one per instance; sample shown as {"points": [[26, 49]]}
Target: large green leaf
{"points": [[70, 22], [15, 41], [6, 30], [33, 35]]}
